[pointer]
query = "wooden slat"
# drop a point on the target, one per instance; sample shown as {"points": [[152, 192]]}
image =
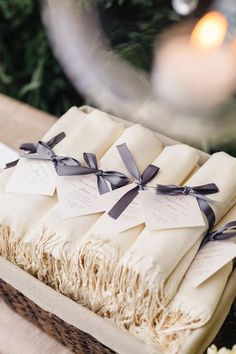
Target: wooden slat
{"points": [[21, 123]]}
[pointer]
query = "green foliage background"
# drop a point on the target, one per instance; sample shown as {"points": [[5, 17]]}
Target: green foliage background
{"points": [[28, 70]]}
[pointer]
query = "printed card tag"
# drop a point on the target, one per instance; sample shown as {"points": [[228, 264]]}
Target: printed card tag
{"points": [[211, 258], [7, 155], [132, 216], [170, 212], [79, 195], [33, 177]]}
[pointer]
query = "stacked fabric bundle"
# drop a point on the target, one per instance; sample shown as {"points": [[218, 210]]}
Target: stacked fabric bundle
{"points": [[103, 246], [21, 211], [192, 307], [54, 239], [139, 295], [110, 259]]}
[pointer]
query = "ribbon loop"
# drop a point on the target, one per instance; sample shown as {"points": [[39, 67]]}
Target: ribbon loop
{"points": [[41, 150], [56, 139], [32, 148], [91, 160], [115, 178], [199, 192], [44, 151], [104, 178], [128, 160], [141, 180], [224, 233]]}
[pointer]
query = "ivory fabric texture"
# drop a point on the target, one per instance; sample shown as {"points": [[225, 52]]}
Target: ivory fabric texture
{"points": [[139, 297], [193, 307], [46, 250], [4, 178], [21, 211], [103, 246]]}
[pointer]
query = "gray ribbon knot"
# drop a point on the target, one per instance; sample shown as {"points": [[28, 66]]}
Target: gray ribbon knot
{"points": [[186, 190], [224, 233], [140, 184], [199, 192], [140, 179], [44, 151], [99, 173], [104, 178]]}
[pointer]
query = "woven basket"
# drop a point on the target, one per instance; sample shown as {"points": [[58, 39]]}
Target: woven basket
{"points": [[78, 341], [74, 339]]}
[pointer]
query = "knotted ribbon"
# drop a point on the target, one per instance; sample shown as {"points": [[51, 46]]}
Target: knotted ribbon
{"points": [[44, 151], [199, 192], [140, 179], [104, 178], [224, 233]]}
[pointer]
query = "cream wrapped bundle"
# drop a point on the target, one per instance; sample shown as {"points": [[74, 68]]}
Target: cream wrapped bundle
{"points": [[139, 295], [103, 245], [47, 249], [95, 133], [4, 178], [67, 123], [194, 306]]}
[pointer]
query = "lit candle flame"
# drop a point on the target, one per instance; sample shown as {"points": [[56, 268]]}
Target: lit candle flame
{"points": [[210, 31]]}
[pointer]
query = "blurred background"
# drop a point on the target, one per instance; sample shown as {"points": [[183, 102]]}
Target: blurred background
{"points": [[29, 71]]}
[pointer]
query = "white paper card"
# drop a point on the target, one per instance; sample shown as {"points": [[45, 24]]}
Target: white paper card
{"points": [[211, 258], [132, 216], [111, 198], [168, 212], [33, 177], [7, 155], [79, 195]]}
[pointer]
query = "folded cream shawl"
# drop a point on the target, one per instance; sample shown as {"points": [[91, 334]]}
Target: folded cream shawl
{"points": [[103, 246], [47, 248], [139, 294], [18, 212], [194, 307]]}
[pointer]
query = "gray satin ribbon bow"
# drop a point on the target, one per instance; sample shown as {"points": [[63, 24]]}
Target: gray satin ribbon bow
{"points": [[104, 178], [141, 180], [44, 151], [198, 192], [224, 233]]}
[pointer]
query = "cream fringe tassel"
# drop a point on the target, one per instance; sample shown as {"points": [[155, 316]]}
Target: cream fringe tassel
{"points": [[174, 327], [143, 308], [97, 262], [134, 302], [9, 243], [63, 275], [90, 275], [118, 292]]}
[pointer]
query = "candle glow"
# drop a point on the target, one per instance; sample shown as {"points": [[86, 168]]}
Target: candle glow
{"points": [[210, 31]]}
